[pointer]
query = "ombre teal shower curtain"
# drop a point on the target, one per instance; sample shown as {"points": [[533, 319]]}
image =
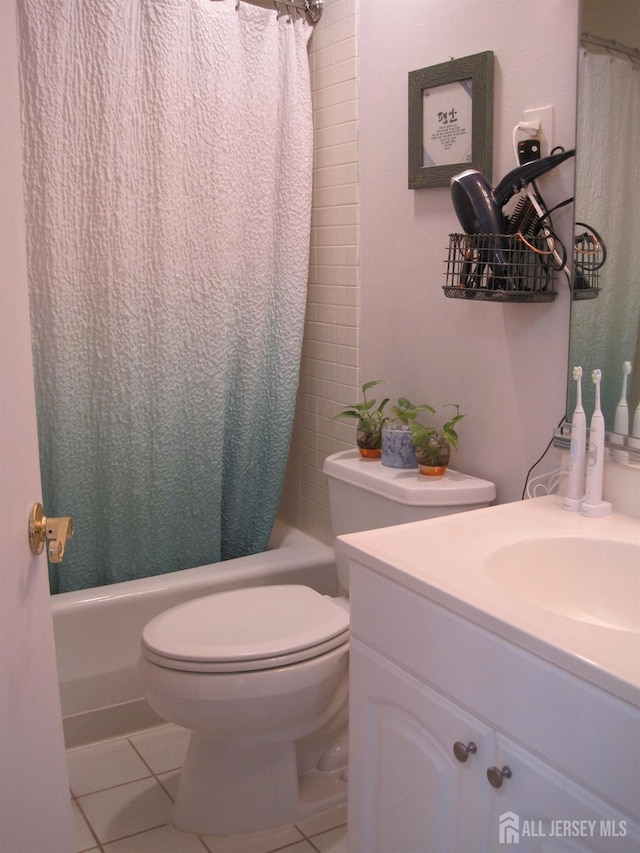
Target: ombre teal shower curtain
{"points": [[168, 155]]}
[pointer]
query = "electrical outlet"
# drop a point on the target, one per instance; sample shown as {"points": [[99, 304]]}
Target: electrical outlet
{"points": [[544, 117]]}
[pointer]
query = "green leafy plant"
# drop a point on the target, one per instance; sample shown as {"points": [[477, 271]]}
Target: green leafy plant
{"points": [[420, 431], [406, 412], [369, 416], [433, 444]]}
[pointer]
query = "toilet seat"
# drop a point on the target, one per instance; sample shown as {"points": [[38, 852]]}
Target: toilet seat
{"points": [[248, 629]]}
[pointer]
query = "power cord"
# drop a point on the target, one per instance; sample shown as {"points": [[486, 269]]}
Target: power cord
{"points": [[539, 459], [559, 263], [531, 127]]}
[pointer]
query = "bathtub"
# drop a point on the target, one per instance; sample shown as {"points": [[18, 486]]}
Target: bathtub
{"points": [[97, 631]]}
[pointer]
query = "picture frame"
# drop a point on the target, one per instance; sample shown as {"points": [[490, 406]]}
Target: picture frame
{"points": [[451, 120]]}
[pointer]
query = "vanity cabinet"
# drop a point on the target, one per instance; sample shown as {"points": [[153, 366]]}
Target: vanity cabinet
{"points": [[437, 701], [409, 792]]}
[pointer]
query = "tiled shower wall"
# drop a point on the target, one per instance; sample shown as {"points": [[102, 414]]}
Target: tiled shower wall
{"points": [[329, 375]]}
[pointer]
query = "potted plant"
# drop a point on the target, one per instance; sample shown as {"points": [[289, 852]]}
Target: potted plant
{"points": [[397, 442], [433, 445], [370, 421]]}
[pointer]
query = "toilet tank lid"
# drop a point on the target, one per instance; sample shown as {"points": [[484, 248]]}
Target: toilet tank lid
{"points": [[408, 486]]}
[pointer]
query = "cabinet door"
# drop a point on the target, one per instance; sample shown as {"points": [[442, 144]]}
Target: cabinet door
{"points": [[407, 791], [540, 810]]}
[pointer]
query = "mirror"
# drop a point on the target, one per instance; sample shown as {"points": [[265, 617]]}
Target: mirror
{"points": [[604, 330]]}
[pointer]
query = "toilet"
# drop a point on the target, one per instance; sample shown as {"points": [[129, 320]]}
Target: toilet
{"points": [[260, 675]]}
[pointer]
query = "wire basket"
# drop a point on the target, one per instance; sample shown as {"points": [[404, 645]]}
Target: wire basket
{"points": [[589, 255], [500, 268]]}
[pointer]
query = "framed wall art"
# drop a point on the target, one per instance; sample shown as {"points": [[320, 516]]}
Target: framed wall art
{"points": [[450, 120]]}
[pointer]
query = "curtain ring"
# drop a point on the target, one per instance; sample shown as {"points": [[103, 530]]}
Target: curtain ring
{"points": [[279, 11]]}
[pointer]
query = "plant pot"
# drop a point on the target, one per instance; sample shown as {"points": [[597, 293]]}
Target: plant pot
{"points": [[432, 470], [397, 447], [369, 438], [433, 454]]}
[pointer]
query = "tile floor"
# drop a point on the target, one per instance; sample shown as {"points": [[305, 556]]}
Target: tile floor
{"points": [[122, 791]]}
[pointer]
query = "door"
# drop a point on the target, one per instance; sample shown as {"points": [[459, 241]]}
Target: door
{"points": [[35, 810], [540, 810], [407, 790]]}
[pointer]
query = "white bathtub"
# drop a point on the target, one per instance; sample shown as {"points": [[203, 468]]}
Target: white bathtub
{"points": [[97, 631]]}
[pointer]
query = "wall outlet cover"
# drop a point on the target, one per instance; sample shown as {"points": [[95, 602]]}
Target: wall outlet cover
{"points": [[544, 116]]}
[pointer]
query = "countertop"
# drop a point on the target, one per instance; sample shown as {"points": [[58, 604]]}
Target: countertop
{"points": [[444, 559]]}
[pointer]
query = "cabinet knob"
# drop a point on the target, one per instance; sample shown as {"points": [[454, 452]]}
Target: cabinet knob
{"points": [[462, 750], [496, 776]]}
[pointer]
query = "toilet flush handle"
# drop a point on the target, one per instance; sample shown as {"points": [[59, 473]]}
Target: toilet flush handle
{"points": [[57, 530]]}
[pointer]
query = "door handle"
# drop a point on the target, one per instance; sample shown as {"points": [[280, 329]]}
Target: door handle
{"points": [[57, 530]]}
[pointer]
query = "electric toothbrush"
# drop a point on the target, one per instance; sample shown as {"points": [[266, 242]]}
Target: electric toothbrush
{"points": [[593, 505], [635, 430], [634, 438], [621, 420], [575, 486]]}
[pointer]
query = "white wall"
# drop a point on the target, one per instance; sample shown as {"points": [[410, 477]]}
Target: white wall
{"points": [[375, 305], [505, 364], [329, 373]]}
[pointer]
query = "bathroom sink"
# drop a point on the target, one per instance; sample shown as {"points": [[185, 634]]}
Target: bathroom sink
{"points": [[592, 580], [557, 584]]}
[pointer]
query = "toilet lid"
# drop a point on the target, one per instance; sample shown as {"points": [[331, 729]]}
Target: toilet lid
{"points": [[245, 629]]}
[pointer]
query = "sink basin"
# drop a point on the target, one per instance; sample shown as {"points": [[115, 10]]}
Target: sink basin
{"points": [[591, 580]]}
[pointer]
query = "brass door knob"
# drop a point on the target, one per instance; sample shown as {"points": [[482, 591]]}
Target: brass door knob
{"points": [[58, 531]]}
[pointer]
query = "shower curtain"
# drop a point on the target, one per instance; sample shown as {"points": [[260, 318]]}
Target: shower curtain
{"points": [[608, 110], [168, 155]]}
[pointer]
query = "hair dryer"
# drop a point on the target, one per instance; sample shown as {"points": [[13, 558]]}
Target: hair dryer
{"points": [[479, 206]]}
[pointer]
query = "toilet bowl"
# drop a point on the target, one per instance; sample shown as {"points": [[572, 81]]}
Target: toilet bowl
{"points": [[252, 672], [260, 675]]}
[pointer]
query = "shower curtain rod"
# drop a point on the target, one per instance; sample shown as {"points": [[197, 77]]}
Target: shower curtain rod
{"points": [[311, 8], [632, 53]]}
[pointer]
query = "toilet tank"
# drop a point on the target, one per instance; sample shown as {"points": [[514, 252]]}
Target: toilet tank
{"points": [[365, 494]]}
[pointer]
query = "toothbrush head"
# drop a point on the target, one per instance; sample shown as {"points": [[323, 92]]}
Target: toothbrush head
{"points": [[596, 376], [577, 373], [626, 368]]}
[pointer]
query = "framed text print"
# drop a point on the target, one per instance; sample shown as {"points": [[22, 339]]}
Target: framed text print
{"points": [[450, 120]]}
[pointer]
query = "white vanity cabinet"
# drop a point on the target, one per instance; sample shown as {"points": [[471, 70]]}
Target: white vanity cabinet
{"points": [[436, 701], [409, 792]]}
